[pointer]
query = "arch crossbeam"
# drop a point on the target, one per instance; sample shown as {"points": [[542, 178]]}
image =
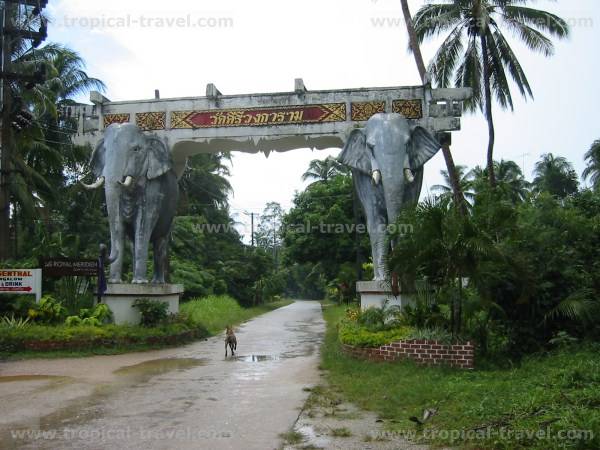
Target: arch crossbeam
{"points": [[268, 122]]}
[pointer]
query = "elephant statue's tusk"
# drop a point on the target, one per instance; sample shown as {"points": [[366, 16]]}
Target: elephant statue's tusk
{"points": [[409, 175], [376, 175], [99, 182], [127, 182]]}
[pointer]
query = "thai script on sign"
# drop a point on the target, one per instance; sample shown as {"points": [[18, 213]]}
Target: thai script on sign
{"points": [[250, 117]]}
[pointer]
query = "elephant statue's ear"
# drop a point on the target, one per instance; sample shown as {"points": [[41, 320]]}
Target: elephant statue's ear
{"points": [[159, 158], [355, 153], [97, 159], [422, 147]]}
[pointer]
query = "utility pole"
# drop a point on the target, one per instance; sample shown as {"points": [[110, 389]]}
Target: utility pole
{"points": [[251, 214], [18, 120], [6, 134]]}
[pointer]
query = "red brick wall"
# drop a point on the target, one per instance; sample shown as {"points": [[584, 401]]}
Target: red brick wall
{"points": [[422, 351]]}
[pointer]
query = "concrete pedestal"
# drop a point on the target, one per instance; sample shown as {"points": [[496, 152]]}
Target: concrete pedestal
{"points": [[120, 297], [375, 293]]}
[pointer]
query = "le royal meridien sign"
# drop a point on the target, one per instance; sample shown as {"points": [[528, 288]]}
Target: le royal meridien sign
{"points": [[21, 281]]}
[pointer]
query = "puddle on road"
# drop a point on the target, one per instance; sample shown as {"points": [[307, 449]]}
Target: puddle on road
{"points": [[148, 369], [257, 358]]}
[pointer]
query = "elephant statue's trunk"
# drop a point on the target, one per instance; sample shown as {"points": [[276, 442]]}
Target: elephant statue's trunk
{"points": [[99, 182]]}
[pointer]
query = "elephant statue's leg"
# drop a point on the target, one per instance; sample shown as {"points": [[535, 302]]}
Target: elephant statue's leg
{"points": [[160, 259], [378, 249], [143, 231], [140, 254], [116, 268]]}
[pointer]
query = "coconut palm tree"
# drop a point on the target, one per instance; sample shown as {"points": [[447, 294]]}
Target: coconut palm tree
{"points": [[509, 179], [592, 171], [477, 54], [323, 170], [554, 174], [459, 199], [445, 190]]}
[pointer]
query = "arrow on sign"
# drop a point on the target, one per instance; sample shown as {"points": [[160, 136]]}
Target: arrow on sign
{"points": [[15, 289]]}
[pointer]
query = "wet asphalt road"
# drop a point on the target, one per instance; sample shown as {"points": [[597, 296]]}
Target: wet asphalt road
{"points": [[185, 398]]}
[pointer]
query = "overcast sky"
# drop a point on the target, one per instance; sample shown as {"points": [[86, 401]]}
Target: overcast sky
{"points": [[261, 46]]}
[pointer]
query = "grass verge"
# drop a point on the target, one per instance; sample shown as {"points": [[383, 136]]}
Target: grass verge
{"points": [[217, 311], [548, 402]]}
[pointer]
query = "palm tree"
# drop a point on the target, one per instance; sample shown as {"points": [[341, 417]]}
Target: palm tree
{"points": [[445, 247], [445, 190], [416, 51], [322, 170], [592, 171], [477, 54], [204, 186], [43, 151], [555, 175], [509, 179], [41, 155]]}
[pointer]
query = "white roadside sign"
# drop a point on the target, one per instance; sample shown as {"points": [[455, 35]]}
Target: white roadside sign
{"points": [[21, 281]]}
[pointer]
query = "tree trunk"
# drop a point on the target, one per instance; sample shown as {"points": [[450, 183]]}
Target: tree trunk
{"points": [[459, 198], [488, 110], [416, 51], [414, 43]]}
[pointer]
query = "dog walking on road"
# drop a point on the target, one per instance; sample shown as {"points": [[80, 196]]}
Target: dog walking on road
{"points": [[230, 340]]}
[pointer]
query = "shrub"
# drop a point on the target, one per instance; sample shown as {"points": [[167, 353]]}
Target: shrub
{"points": [[73, 321], [432, 334], [380, 318], [352, 333], [48, 311], [96, 316], [101, 312], [14, 322], [153, 311]]}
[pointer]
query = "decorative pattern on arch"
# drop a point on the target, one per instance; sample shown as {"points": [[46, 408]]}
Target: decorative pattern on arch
{"points": [[151, 120], [411, 109], [361, 111], [109, 119]]}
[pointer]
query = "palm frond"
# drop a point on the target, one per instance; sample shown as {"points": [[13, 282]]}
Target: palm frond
{"points": [[509, 59], [434, 19], [444, 62], [537, 18], [579, 306], [469, 74], [498, 75], [533, 39]]}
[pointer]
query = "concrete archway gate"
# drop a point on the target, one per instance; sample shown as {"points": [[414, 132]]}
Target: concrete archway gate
{"points": [[261, 123], [268, 122]]}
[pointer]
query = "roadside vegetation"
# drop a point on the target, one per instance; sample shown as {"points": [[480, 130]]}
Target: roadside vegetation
{"points": [[55, 334], [491, 407], [214, 313]]}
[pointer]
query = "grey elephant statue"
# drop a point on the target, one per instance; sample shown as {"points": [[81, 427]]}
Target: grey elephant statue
{"points": [[387, 158], [141, 197]]}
